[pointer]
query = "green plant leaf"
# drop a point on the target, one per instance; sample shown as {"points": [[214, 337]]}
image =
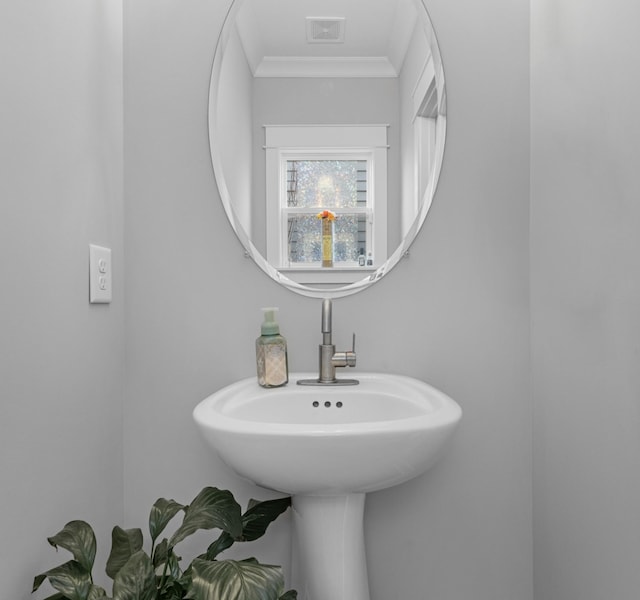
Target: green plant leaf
{"points": [[161, 513], [173, 562], [222, 543], [124, 544], [260, 515], [233, 580], [210, 508], [38, 580], [172, 591], [160, 553], [97, 593], [78, 538], [255, 521], [71, 579], [136, 579], [290, 595]]}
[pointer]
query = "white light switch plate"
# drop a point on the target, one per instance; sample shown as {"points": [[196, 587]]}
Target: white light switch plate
{"points": [[99, 274]]}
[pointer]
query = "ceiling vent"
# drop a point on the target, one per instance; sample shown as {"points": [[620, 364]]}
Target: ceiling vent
{"points": [[325, 30]]}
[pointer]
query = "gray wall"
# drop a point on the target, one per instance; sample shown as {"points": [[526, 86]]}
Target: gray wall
{"points": [[585, 261], [455, 313], [61, 360]]}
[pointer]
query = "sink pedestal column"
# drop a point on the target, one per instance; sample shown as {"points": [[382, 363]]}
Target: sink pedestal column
{"points": [[329, 562]]}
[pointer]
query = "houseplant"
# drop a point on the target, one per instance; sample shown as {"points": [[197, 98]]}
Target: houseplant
{"points": [[158, 575]]}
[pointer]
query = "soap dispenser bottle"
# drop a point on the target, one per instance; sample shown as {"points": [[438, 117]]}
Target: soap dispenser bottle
{"points": [[271, 353]]}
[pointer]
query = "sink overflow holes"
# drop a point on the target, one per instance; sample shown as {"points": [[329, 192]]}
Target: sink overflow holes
{"points": [[327, 404]]}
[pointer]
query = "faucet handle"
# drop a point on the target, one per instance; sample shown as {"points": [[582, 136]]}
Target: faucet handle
{"points": [[345, 359], [351, 354]]}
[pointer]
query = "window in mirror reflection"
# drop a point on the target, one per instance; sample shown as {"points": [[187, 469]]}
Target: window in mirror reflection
{"points": [[338, 185], [349, 181]]}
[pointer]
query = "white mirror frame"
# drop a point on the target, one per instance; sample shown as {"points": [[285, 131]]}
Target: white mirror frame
{"points": [[427, 197]]}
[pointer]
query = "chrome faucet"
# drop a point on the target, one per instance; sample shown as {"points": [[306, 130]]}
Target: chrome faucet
{"points": [[329, 359]]}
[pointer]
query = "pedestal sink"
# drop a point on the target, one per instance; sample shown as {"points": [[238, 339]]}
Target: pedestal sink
{"points": [[328, 446]]}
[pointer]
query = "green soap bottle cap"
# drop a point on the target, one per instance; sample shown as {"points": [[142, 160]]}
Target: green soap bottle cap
{"points": [[270, 325]]}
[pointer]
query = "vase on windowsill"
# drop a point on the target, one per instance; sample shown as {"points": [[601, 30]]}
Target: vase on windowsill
{"points": [[327, 218]]}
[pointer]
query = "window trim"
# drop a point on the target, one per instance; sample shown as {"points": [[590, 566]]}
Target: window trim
{"points": [[361, 142]]}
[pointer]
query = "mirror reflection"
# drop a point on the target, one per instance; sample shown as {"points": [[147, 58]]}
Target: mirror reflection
{"points": [[327, 126]]}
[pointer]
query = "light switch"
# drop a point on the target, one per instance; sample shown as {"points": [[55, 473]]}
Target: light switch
{"points": [[99, 274]]}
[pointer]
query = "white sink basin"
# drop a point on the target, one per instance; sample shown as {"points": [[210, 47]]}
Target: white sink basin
{"points": [[328, 446], [329, 440]]}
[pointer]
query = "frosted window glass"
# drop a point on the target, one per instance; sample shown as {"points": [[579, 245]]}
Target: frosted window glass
{"points": [[305, 239], [327, 184]]}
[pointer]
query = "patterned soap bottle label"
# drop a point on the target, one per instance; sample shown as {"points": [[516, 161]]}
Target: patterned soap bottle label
{"points": [[275, 365]]}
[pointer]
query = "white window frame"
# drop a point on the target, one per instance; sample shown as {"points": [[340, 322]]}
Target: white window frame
{"points": [[340, 142]]}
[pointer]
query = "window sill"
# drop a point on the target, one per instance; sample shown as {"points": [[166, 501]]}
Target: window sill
{"points": [[324, 275]]}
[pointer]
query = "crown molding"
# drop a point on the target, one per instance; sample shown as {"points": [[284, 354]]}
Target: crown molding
{"points": [[341, 66]]}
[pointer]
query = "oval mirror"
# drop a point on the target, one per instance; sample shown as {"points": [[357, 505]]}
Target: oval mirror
{"points": [[327, 128]]}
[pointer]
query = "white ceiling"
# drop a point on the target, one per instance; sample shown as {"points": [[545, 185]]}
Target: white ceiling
{"points": [[376, 36]]}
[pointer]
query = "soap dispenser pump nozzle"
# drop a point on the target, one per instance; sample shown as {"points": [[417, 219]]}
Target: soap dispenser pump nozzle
{"points": [[270, 325]]}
